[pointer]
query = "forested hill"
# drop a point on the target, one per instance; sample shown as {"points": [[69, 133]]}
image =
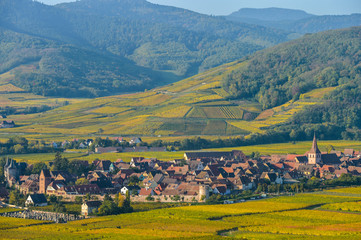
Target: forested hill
{"points": [[268, 14], [103, 47], [166, 38], [279, 74], [50, 68], [294, 20]]}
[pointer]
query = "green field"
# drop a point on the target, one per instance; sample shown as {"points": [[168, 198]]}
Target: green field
{"points": [[266, 149], [293, 217]]}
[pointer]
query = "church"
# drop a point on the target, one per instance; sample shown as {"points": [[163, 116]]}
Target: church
{"points": [[316, 157]]}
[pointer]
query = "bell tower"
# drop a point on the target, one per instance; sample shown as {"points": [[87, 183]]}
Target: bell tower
{"points": [[44, 180], [314, 155]]}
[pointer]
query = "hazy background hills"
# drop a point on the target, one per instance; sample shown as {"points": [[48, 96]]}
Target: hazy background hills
{"points": [[294, 20]]}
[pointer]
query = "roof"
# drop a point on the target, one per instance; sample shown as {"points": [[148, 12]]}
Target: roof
{"points": [[301, 159], [145, 192], [330, 159], [305, 168], [349, 152], [38, 198], [46, 173], [196, 155], [93, 203]]}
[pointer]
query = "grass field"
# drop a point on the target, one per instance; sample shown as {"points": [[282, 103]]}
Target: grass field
{"points": [[267, 149], [293, 217]]}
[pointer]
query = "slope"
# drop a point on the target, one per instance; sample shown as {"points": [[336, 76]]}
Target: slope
{"points": [[70, 71], [273, 88], [324, 60], [124, 34], [192, 107]]}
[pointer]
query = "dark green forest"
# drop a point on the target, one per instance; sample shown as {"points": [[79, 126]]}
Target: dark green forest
{"points": [[93, 48], [279, 74]]}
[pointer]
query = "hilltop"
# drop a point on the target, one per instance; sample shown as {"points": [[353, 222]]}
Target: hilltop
{"points": [[93, 48], [296, 21]]}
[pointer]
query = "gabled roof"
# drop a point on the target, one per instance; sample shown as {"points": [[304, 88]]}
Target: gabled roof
{"points": [[330, 159], [38, 198], [301, 159], [93, 203], [46, 173]]}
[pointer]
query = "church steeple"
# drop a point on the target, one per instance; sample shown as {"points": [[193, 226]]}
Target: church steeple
{"points": [[314, 148], [314, 155]]}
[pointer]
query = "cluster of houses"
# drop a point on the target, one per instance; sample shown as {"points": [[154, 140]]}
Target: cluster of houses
{"points": [[7, 124], [85, 143], [193, 178]]}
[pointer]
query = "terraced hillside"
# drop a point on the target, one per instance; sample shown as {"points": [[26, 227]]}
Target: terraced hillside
{"points": [[194, 106]]}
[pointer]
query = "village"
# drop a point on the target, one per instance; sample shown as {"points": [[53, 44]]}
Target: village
{"points": [[194, 179]]}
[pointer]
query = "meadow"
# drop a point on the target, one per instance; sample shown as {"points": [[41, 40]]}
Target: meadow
{"points": [[266, 149], [291, 217]]}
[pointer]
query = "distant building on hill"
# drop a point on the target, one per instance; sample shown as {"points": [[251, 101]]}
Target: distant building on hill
{"points": [[7, 124]]}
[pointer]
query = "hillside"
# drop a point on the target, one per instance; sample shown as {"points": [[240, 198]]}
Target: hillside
{"points": [[192, 107], [283, 73], [69, 71], [306, 82], [129, 45], [294, 20]]}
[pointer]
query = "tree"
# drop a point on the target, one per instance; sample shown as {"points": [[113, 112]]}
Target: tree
{"points": [[38, 167], [52, 199], [78, 199], [18, 148], [87, 197], [108, 207], [82, 181], [16, 198], [59, 207], [119, 200], [60, 163], [149, 198], [2, 164]]}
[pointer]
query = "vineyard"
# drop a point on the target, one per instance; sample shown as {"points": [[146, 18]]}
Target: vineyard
{"points": [[292, 217], [197, 106]]}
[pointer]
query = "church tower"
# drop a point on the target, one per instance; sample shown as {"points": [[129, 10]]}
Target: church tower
{"points": [[44, 180], [314, 155]]}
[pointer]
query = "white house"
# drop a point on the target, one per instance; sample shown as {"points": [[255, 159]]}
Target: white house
{"points": [[38, 200], [90, 207]]}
